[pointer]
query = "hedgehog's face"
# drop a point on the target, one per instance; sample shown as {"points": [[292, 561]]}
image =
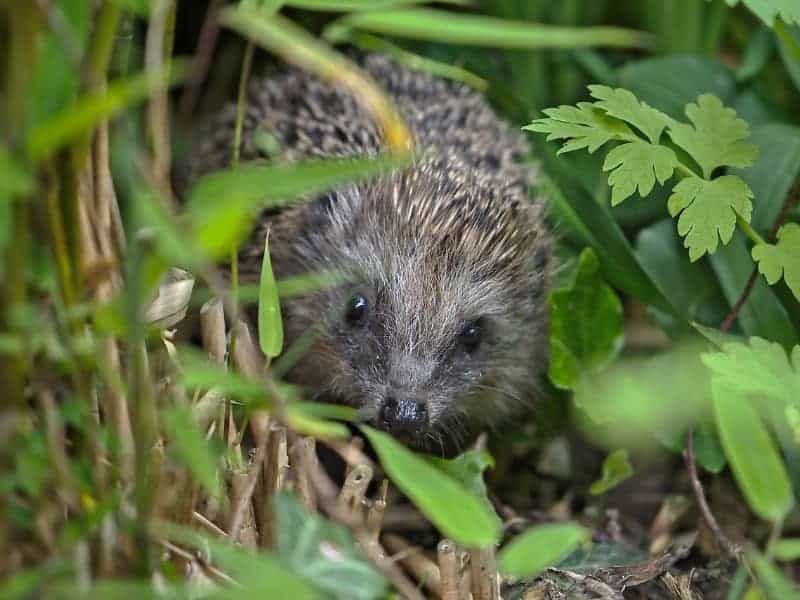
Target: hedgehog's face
{"points": [[425, 350]]}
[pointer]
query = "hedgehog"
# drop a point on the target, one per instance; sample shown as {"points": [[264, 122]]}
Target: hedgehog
{"points": [[436, 328]]}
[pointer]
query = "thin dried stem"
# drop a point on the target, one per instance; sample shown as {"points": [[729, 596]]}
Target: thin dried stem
{"points": [[705, 510], [303, 455], [158, 48], [414, 560]]}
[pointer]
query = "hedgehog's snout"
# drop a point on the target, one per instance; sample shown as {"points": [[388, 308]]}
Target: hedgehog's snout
{"points": [[403, 417]]}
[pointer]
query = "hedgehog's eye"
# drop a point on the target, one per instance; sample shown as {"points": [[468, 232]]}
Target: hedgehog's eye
{"points": [[470, 336], [356, 309]]}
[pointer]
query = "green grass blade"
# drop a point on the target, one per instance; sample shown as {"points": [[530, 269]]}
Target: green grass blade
{"points": [[475, 30], [89, 110], [270, 325]]}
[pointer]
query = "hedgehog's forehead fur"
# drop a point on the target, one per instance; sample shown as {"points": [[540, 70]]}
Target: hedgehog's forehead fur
{"points": [[442, 212]]}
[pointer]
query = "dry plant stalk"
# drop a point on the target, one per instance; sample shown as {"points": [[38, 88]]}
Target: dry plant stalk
{"points": [[485, 580], [449, 576], [302, 453], [413, 558], [376, 512], [276, 464], [353, 490]]}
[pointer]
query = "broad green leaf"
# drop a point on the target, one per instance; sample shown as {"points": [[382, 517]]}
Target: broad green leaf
{"points": [[623, 105], [467, 468], [715, 138], [270, 324], [359, 5], [585, 324], [708, 211], [786, 549], [691, 286], [708, 450], [616, 469], [583, 125], [789, 47], [256, 575], [774, 582], [222, 206], [51, 135], [477, 30], [636, 166], [638, 398], [760, 368], [324, 553], [769, 10], [771, 177], [451, 507], [541, 547], [751, 452], [590, 223], [781, 258], [669, 83]]}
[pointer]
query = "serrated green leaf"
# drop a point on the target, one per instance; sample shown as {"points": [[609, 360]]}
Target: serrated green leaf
{"points": [[622, 104], [190, 447], [637, 165], [760, 368], [544, 546], [323, 552], [453, 509], [585, 326], [270, 324], [616, 469], [708, 211], [715, 137], [587, 127], [583, 125], [751, 451], [781, 258]]}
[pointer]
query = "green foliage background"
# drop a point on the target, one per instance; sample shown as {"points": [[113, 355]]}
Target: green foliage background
{"points": [[685, 205]]}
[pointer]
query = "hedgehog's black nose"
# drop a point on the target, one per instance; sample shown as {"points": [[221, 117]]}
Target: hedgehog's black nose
{"points": [[403, 418]]}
